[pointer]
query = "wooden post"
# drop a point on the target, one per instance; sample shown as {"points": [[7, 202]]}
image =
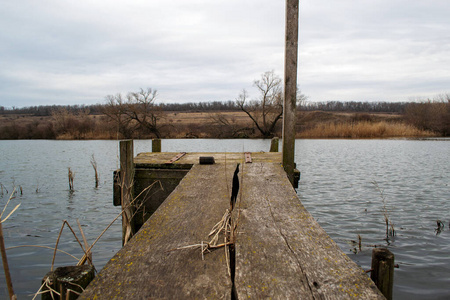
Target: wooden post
{"points": [[126, 182], [290, 87], [274, 144], [69, 282], [383, 271], [156, 145]]}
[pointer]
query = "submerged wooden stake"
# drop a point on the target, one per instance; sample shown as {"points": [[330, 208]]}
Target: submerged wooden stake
{"points": [[383, 271], [67, 282], [94, 165], [71, 176]]}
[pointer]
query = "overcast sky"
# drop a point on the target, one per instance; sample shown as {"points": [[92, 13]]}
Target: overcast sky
{"points": [[77, 51]]}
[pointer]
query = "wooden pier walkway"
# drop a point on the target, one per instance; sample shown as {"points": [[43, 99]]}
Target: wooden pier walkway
{"points": [[274, 248]]}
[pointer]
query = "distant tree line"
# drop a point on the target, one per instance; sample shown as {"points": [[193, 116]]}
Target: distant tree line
{"points": [[137, 115], [47, 110], [216, 106], [356, 106], [201, 106]]}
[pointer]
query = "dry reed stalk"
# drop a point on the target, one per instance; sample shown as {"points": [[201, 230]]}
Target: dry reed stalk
{"points": [[226, 225], [76, 237], [112, 222], [3, 188], [385, 211], [127, 228], [86, 245], [94, 165], [12, 211], [47, 284], [86, 251], [5, 264], [364, 129], [127, 212], [3, 249], [146, 190]]}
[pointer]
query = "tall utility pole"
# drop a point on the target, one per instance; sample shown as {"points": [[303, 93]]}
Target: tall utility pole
{"points": [[290, 87]]}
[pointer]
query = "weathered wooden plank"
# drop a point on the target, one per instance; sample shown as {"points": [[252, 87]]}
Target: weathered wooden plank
{"points": [[282, 252], [146, 269], [155, 159]]}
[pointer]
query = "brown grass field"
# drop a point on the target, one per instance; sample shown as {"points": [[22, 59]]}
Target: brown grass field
{"points": [[314, 124]]}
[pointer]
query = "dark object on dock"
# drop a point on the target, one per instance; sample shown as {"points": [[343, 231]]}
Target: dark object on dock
{"points": [[69, 282], [206, 160], [382, 272]]}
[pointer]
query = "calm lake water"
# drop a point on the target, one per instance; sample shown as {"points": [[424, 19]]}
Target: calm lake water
{"points": [[337, 186]]}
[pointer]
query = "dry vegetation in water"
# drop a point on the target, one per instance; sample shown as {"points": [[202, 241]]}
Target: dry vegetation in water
{"points": [[364, 129]]}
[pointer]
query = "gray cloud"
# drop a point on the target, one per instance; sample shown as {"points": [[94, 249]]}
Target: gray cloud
{"points": [[77, 52]]}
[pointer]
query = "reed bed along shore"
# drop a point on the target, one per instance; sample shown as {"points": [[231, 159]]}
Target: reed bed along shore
{"points": [[364, 129], [222, 125]]}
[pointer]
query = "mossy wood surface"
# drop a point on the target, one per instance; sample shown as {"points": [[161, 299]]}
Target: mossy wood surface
{"points": [[191, 158], [68, 282], [282, 252], [146, 269]]}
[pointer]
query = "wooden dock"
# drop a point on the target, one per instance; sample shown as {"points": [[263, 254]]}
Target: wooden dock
{"points": [[273, 247]]}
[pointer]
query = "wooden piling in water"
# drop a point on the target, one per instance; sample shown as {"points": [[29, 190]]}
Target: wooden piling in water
{"points": [[126, 183], [68, 282], [274, 144], [382, 272], [290, 87], [156, 145]]}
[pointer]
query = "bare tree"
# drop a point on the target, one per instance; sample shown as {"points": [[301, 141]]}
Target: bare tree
{"points": [[267, 110], [115, 111], [137, 112], [228, 126]]}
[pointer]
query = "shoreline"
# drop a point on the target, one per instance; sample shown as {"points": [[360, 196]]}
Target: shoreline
{"points": [[212, 125]]}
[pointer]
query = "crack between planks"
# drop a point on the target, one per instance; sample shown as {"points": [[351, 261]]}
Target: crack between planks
{"points": [[235, 187], [289, 247]]}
